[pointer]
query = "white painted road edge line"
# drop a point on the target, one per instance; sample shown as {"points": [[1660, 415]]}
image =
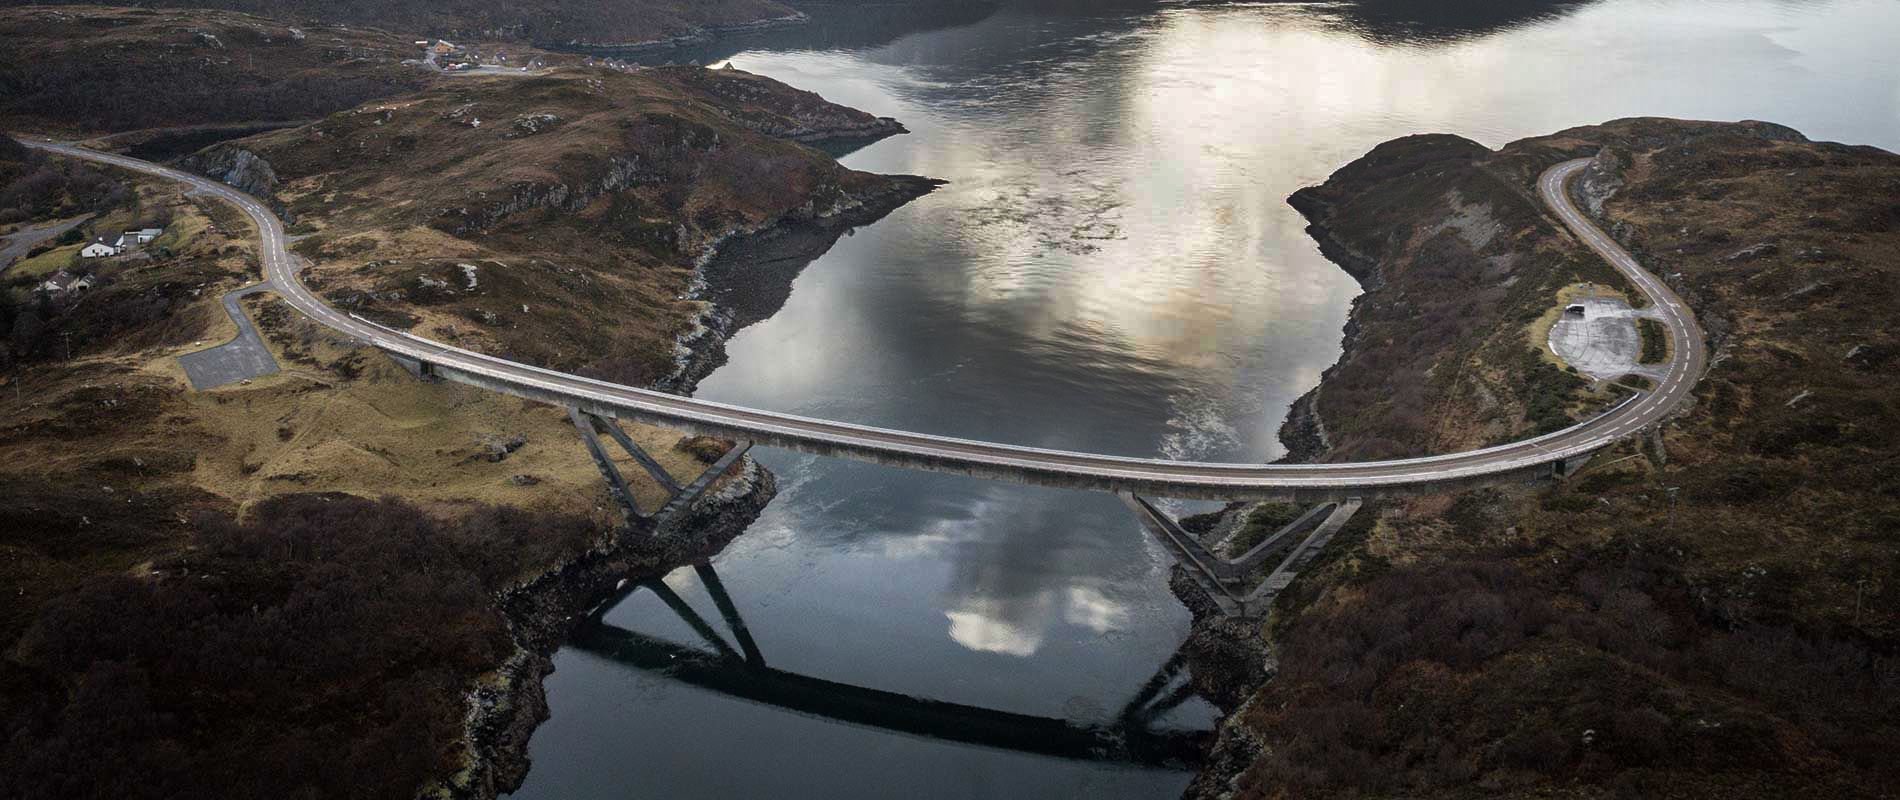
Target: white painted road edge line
{"points": [[858, 441]]}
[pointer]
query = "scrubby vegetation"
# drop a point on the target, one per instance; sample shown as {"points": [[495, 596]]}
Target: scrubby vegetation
{"points": [[1262, 521], [135, 302], [93, 69], [554, 21], [1655, 340], [579, 201], [1602, 669], [1455, 239], [1710, 612], [33, 186], [316, 649], [1548, 390], [195, 606]]}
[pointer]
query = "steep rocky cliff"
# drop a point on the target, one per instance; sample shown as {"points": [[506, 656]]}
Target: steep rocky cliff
{"points": [[236, 166]]}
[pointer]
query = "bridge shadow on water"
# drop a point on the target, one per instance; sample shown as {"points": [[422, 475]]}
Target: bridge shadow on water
{"points": [[738, 669]]}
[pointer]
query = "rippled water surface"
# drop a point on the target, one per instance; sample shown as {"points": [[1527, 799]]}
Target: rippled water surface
{"points": [[1112, 268]]}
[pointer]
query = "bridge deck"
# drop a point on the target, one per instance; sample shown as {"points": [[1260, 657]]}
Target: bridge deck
{"points": [[1003, 461]]}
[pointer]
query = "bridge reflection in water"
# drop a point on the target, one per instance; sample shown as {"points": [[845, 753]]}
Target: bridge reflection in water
{"points": [[738, 669]]}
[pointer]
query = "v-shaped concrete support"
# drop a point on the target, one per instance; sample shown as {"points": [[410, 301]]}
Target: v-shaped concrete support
{"points": [[1223, 580], [679, 497]]}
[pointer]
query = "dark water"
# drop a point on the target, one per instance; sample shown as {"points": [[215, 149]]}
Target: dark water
{"points": [[1113, 268]]}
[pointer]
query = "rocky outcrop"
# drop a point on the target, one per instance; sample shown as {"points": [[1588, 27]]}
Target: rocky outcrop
{"points": [[239, 168], [1304, 433], [1600, 181], [774, 109], [622, 172], [813, 130], [531, 124], [746, 275], [505, 708]]}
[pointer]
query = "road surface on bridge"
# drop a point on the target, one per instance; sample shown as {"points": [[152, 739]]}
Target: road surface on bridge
{"points": [[1185, 479]]}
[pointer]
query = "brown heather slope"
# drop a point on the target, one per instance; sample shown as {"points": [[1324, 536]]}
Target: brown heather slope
{"points": [[1454, 240], [285, 588], [94, 69], [337, 580], [581, 199], [1711, 612], [33, 186], [546, 21]]}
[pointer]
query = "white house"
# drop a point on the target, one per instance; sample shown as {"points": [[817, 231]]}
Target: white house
{"points": [[139, 237], [63, 282], [98, 249]]}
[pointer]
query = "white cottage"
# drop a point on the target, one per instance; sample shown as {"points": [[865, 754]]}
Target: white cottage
{"points": [[139, 237], [98, 249]]}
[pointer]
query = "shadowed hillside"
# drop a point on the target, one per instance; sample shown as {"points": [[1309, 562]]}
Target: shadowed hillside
{"points": [[1710, 610], [546, 21], [90, 69]]}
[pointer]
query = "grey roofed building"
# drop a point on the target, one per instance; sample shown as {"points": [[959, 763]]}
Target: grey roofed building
{"points": [[64, 282]]}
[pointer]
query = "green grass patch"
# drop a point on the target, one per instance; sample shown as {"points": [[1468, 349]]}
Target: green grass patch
{"points": [[1262, 521], [47, 263], [1655, 340], [1548, 391]]}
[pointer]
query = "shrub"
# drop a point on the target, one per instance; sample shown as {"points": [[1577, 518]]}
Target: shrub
{"points": [[314, 650], [1655, 340]]}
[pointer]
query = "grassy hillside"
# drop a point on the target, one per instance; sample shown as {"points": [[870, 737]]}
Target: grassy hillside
{"points": [[580, 202], [1463, 259], [1709, 612], [287, 587], [293, 585], [300, 585]]}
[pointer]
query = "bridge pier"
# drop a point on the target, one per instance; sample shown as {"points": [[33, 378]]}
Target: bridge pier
{"points": [[1565, 467], [422, 370], [1225, 581], [679, 498]]}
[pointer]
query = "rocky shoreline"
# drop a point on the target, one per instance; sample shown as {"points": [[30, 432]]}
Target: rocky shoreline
{"points": [[1229, 659], [1304, 432], [506, 706], [746, 275], [754, 270]]}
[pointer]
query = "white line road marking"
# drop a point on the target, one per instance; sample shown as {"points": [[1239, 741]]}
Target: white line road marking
{"points": [[1004, 461]]}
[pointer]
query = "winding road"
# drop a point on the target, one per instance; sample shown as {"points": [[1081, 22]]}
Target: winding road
{"points": [[1183, 479]]}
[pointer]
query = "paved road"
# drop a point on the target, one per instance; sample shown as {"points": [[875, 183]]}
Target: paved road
{"points": [[242, 358], [1004, 461], [25, 239]]}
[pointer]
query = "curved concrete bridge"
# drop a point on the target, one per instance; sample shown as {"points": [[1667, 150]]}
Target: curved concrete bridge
{"points": [[1184, 479]]}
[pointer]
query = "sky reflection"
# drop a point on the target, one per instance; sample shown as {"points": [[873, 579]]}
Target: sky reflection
{"points": [[1113, 268]]}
